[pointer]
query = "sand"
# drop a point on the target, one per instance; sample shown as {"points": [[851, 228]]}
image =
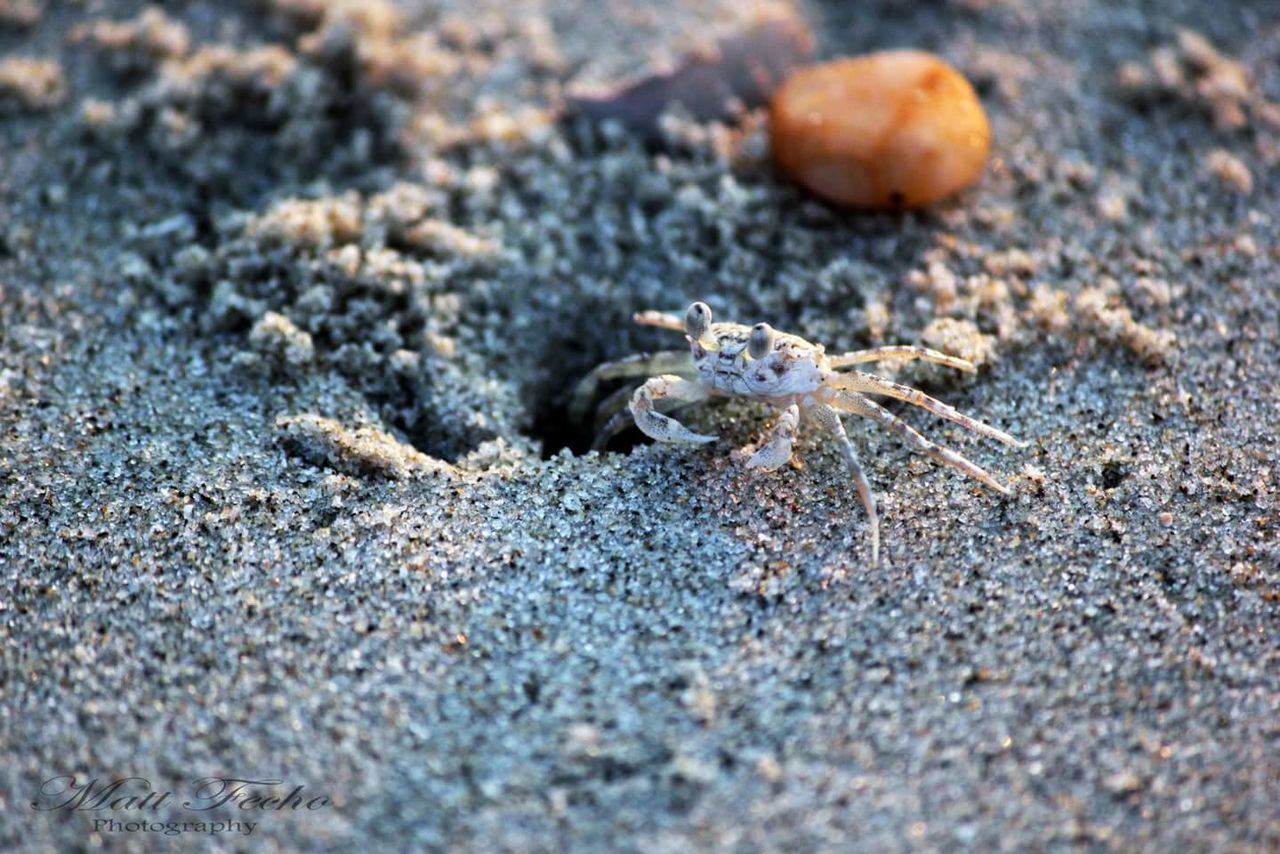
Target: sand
{"points": [[292, 299]]}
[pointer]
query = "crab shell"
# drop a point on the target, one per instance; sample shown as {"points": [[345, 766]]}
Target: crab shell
{"points": [[792, 370]]}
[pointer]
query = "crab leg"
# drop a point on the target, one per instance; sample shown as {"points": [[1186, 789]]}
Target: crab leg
{"points": [[857, 381], [616, 404], [829, 418], [660, 319], [902, 352], [777, 452], [658, 426], [859, 405], [639, 365]]}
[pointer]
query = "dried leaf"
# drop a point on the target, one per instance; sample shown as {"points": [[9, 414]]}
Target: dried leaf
{"points": [[740, 71]]}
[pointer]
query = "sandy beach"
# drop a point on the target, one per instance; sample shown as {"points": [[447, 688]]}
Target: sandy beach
{"points": [[293, 297]]}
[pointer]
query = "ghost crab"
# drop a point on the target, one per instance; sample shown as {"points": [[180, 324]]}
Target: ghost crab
{"points": [[793, 374]]}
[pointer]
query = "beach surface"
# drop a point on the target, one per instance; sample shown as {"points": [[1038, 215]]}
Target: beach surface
{"points": [[293, 296]]}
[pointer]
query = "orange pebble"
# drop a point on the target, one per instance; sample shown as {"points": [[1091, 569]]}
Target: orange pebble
{"points": [[896, 129]]}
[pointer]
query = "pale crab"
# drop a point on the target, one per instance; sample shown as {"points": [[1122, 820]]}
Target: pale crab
{"points": [[788, 372]]}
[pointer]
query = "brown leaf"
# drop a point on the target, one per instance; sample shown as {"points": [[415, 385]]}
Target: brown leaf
{"points": [[740, 71]]}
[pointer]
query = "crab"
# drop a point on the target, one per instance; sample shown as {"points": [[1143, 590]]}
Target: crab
{"points": [[788, 372]]}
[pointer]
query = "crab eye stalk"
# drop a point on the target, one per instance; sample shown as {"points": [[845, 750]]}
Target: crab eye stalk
{"points": [[761, 340], [697, 320]]}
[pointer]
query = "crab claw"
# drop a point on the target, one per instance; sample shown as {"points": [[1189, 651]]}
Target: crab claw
{"points": [[658, 426], [777, 452], [667, 429]]}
